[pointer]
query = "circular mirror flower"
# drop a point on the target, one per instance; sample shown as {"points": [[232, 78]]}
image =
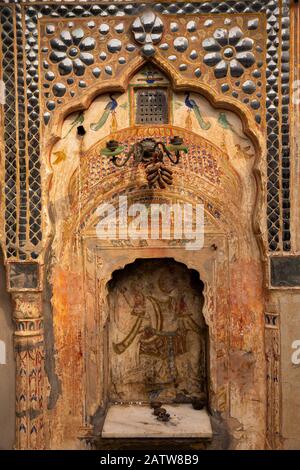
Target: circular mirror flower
{"points": [[228, 50], [70, 52], [147, 30]]}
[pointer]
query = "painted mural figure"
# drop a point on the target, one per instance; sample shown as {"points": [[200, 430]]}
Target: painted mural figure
{"points": [[169, 341], [110, 108], [192, 106]]}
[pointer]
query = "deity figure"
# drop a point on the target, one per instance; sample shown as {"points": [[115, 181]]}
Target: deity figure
{"points": [[170, 341]]}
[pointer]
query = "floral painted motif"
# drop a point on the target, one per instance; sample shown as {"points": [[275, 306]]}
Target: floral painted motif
{"points": [[228, 49], [70, 52]]}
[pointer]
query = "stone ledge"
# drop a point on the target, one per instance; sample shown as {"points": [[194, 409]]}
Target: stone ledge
{"points": [[138, 421]]}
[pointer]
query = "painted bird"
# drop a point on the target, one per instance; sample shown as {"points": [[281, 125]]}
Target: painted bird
{"points": [[192, 106], [109, 108], [78, 120], [60, 156], [223, 121], [151, 76]]}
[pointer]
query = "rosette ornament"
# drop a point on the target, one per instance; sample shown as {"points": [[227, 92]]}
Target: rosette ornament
{"points": [[228, 51], [71, 52], [147, 30]]}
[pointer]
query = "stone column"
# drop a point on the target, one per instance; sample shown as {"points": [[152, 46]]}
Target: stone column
{"points": [[272, 351], [29, 355]]}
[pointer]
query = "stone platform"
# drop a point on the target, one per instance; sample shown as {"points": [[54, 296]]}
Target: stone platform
{"points": [[138, 421]]}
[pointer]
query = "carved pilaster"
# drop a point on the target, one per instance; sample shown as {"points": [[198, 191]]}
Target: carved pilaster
{"points": [[29, 355], [272, 350]]}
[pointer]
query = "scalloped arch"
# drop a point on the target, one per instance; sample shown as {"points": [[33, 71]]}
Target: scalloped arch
{"points": [[178, 258], [179, 83], [217, 100]]}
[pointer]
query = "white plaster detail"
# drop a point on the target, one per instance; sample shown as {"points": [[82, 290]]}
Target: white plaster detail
{"points": [[2, 92]]}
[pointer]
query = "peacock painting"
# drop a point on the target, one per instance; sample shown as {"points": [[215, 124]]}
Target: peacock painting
{"points": [[193, 107], [109, 109]]}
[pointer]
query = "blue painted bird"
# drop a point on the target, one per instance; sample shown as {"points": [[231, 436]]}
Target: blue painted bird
{"points": [[192, 106], [109, 108]]}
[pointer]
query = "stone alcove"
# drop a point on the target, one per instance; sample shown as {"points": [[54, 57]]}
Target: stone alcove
{"points": [[219, 173], [157, 333], [157, 351]]}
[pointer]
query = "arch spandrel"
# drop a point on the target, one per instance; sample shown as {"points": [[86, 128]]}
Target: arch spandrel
{"points": [[227, 187], [215, 168]]}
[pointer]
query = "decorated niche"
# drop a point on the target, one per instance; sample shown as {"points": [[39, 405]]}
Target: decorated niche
{"points": [[217, 170], [157, 334], [79, 75], [219, 47]]}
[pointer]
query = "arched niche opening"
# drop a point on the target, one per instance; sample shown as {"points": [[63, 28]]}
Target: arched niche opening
{"points": [[157, 342], [158, 335]]}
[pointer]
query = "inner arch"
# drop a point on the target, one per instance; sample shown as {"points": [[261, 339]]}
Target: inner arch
{"points": [[157, 333]]}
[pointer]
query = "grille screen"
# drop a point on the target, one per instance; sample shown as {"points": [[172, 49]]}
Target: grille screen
{"points": [[152, 106]]}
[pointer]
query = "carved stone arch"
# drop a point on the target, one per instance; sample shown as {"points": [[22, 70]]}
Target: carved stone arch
{"points": [[223, 218], [191, 265], [178, 83]]}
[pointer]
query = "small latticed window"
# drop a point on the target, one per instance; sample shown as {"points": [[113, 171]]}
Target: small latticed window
{"points": [[151, 106]]}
